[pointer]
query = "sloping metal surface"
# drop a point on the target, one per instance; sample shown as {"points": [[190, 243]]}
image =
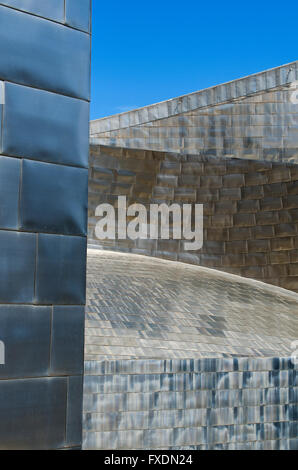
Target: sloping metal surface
{"points": [[138, 307]]}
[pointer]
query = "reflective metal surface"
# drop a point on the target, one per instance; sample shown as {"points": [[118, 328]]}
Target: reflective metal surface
{"points": [[45, 126], [183, 357], [232, 148], [51, 57], [252, 118], [250, 208], [44, 114], [25, 330], [67, 340], [17, 267], [9, 192], [163, 365], [74, 411], [32, 413], [77, 14], [183, 312], [53, 9], [60, 270], [60, 207]]}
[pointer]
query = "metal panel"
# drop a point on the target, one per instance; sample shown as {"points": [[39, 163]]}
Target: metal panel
{"points": [[45, 82], [74, 411], [59, 207], [61, 270], [17, 266], [67, 349], [34, 413], [44, 126], [25, 332], [176, 404], [51, 57], [9, 192], [53, 9], [77, 14]]}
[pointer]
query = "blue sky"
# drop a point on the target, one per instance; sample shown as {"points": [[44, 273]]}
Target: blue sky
{"points": [[145, 52]]}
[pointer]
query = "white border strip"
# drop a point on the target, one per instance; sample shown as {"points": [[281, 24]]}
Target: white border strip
{"points": [[2, 93]]}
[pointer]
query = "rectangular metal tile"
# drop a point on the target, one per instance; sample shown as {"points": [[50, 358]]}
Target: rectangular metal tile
{"points": [[67, 351], [74, 411], [52, 57], [25, 331], [44, 116], [32, 413], [53, 9], [17, 267], [224, 420], [77, 14], [44, 126], [61, 270], [61, 205], [9, 192]]}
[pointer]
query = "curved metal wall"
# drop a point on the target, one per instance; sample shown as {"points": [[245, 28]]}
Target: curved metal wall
{"points": [[206, 404], [45, 79], [250, 208], [179, 356], [232, 148]]}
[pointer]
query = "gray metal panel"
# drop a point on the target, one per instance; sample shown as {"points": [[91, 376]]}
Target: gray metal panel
{"points": [[180, 406], [77, 14], [9, 192], [25, 331], [17, 266], [51, 57], [32, 413], [53, 9], [74, 411], [179, 320], [44, 126], [45, 78], [61, 270], [61, 205], [67, 349]]}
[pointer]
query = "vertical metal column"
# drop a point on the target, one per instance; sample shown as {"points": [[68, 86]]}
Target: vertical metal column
{"points": [[44, 123]]}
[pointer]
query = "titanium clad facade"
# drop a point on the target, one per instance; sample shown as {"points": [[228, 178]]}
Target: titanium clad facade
{"points": [[250, 208], [252, 118], [184, 357], [232, 148], [45, 93], [207, 404]]}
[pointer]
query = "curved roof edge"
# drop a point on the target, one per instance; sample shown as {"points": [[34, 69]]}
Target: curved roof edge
{"points": [[212, 272]]}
